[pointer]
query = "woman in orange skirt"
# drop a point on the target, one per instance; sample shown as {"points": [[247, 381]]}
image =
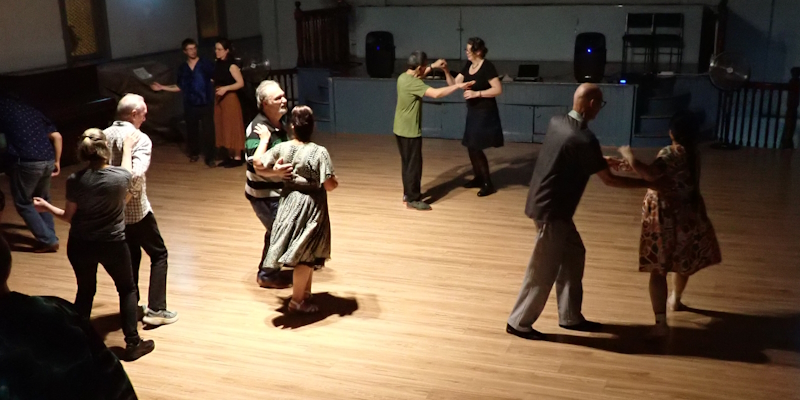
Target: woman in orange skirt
{"points": [[227, 109]]}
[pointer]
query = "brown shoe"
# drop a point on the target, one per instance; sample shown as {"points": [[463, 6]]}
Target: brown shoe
{"points": [[274, 283], [46, 249]]}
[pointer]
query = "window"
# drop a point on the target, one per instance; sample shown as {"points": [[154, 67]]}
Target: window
{"points": [[85, 30], [210, 19]]}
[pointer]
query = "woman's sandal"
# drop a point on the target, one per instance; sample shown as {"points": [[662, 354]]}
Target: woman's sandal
{"points": [[302, 307]]}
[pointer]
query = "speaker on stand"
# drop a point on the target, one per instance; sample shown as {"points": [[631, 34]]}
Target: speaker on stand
{"points": [[380, 54], [590, 57]]}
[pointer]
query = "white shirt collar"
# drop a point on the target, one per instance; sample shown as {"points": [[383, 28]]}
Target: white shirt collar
{"points": [[576, 116]]}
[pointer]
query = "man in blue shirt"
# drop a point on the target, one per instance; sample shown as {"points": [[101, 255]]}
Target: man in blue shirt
{"points": [[34, 155], [194, 81]]}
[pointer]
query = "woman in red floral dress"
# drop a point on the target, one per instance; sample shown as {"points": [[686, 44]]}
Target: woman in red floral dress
{"points": [[677, 235]]}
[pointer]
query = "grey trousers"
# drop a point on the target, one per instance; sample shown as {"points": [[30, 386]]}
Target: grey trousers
{"points": [[558, 257]]}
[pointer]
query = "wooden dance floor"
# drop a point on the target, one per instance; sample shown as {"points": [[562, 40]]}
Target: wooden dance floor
{"points": [[415, 303]]}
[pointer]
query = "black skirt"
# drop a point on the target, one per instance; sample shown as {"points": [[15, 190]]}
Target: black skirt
{"points": [[483, 128]]}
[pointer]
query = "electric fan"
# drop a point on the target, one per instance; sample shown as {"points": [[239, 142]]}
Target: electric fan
{"points": [[729, 72], [257, 65]]}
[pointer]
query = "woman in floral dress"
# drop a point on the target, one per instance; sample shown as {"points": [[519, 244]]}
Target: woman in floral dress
{"points": [[677, 235], [301, 233]]}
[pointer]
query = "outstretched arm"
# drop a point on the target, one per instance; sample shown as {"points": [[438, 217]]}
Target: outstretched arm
{"points": [[157, 87], [494, 91], [621, 182], [648, 172], [65, 215], [437, 93]]}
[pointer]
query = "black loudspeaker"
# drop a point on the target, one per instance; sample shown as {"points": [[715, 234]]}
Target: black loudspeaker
{"points": [[380, 54], [590, 57]]}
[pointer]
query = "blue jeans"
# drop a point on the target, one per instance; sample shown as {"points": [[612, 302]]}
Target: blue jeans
{"points": [[31, 179], [266, 210]]}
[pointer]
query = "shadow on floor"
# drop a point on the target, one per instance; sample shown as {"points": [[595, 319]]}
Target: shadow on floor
{"points": [[328, 305], [514, 172], [728, 337], [17, 241]]}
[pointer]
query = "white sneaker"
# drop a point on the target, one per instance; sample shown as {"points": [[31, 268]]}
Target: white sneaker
{"points": [[141, 311], [163, 317]]}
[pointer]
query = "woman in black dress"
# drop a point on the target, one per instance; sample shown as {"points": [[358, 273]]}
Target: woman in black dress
{"points": [[483, 128]]}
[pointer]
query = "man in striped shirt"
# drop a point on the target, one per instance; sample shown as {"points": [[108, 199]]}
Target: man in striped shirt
{"points": [[141, 229], [264, 192]]}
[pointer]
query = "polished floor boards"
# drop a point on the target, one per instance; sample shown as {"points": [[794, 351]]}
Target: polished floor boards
{"points": [[415, 303]]}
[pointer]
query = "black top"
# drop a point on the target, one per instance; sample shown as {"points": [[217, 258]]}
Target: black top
{"points": [[481, 78], [568, 157], [222, 73], [100, 196], [47, 351]]}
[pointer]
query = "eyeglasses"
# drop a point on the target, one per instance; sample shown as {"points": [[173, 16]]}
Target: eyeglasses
{"points": [[603, 104]]}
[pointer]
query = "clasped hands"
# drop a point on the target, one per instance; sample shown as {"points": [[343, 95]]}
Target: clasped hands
{"points": [[623, 164]]}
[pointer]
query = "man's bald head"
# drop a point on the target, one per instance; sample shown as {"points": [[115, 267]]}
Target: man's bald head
{"points": [[133, 109], [588, 100]]}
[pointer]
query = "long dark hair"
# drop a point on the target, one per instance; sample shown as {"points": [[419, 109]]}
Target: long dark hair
{"points": [[227, 45], [685, 128]]}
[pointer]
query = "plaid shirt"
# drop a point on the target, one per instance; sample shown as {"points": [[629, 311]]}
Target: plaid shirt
{"points": [[138, 206]]}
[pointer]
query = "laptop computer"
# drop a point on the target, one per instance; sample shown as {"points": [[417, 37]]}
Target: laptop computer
{"points": [[528, 72]]}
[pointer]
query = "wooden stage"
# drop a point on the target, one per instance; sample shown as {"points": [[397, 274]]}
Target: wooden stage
{"points": [[415, 303]]}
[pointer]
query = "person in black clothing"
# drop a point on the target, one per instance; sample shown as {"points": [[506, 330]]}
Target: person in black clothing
{"points": [[47, 351], [569, 155], [194, 81], [483, 129], [95, 210]]}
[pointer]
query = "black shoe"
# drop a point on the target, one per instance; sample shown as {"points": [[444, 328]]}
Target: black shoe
{"points": [[136, 351], [193, 158], [225, 162], [211, 164], [234, 164], [532, 335], [585, 326], [486, 190], [475, 183], [272, 283]]}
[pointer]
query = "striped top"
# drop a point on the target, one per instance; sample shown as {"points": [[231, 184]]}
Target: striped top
{"points": [[257, 186]]}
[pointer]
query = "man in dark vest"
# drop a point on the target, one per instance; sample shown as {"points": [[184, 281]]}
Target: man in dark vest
{"points": [[569, 155]]}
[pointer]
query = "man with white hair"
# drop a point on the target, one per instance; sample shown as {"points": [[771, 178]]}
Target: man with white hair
{"points": [[141, 229], [264, 192]]}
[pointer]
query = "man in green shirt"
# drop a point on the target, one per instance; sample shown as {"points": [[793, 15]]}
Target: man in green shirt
{"points": [[407, 118]]}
